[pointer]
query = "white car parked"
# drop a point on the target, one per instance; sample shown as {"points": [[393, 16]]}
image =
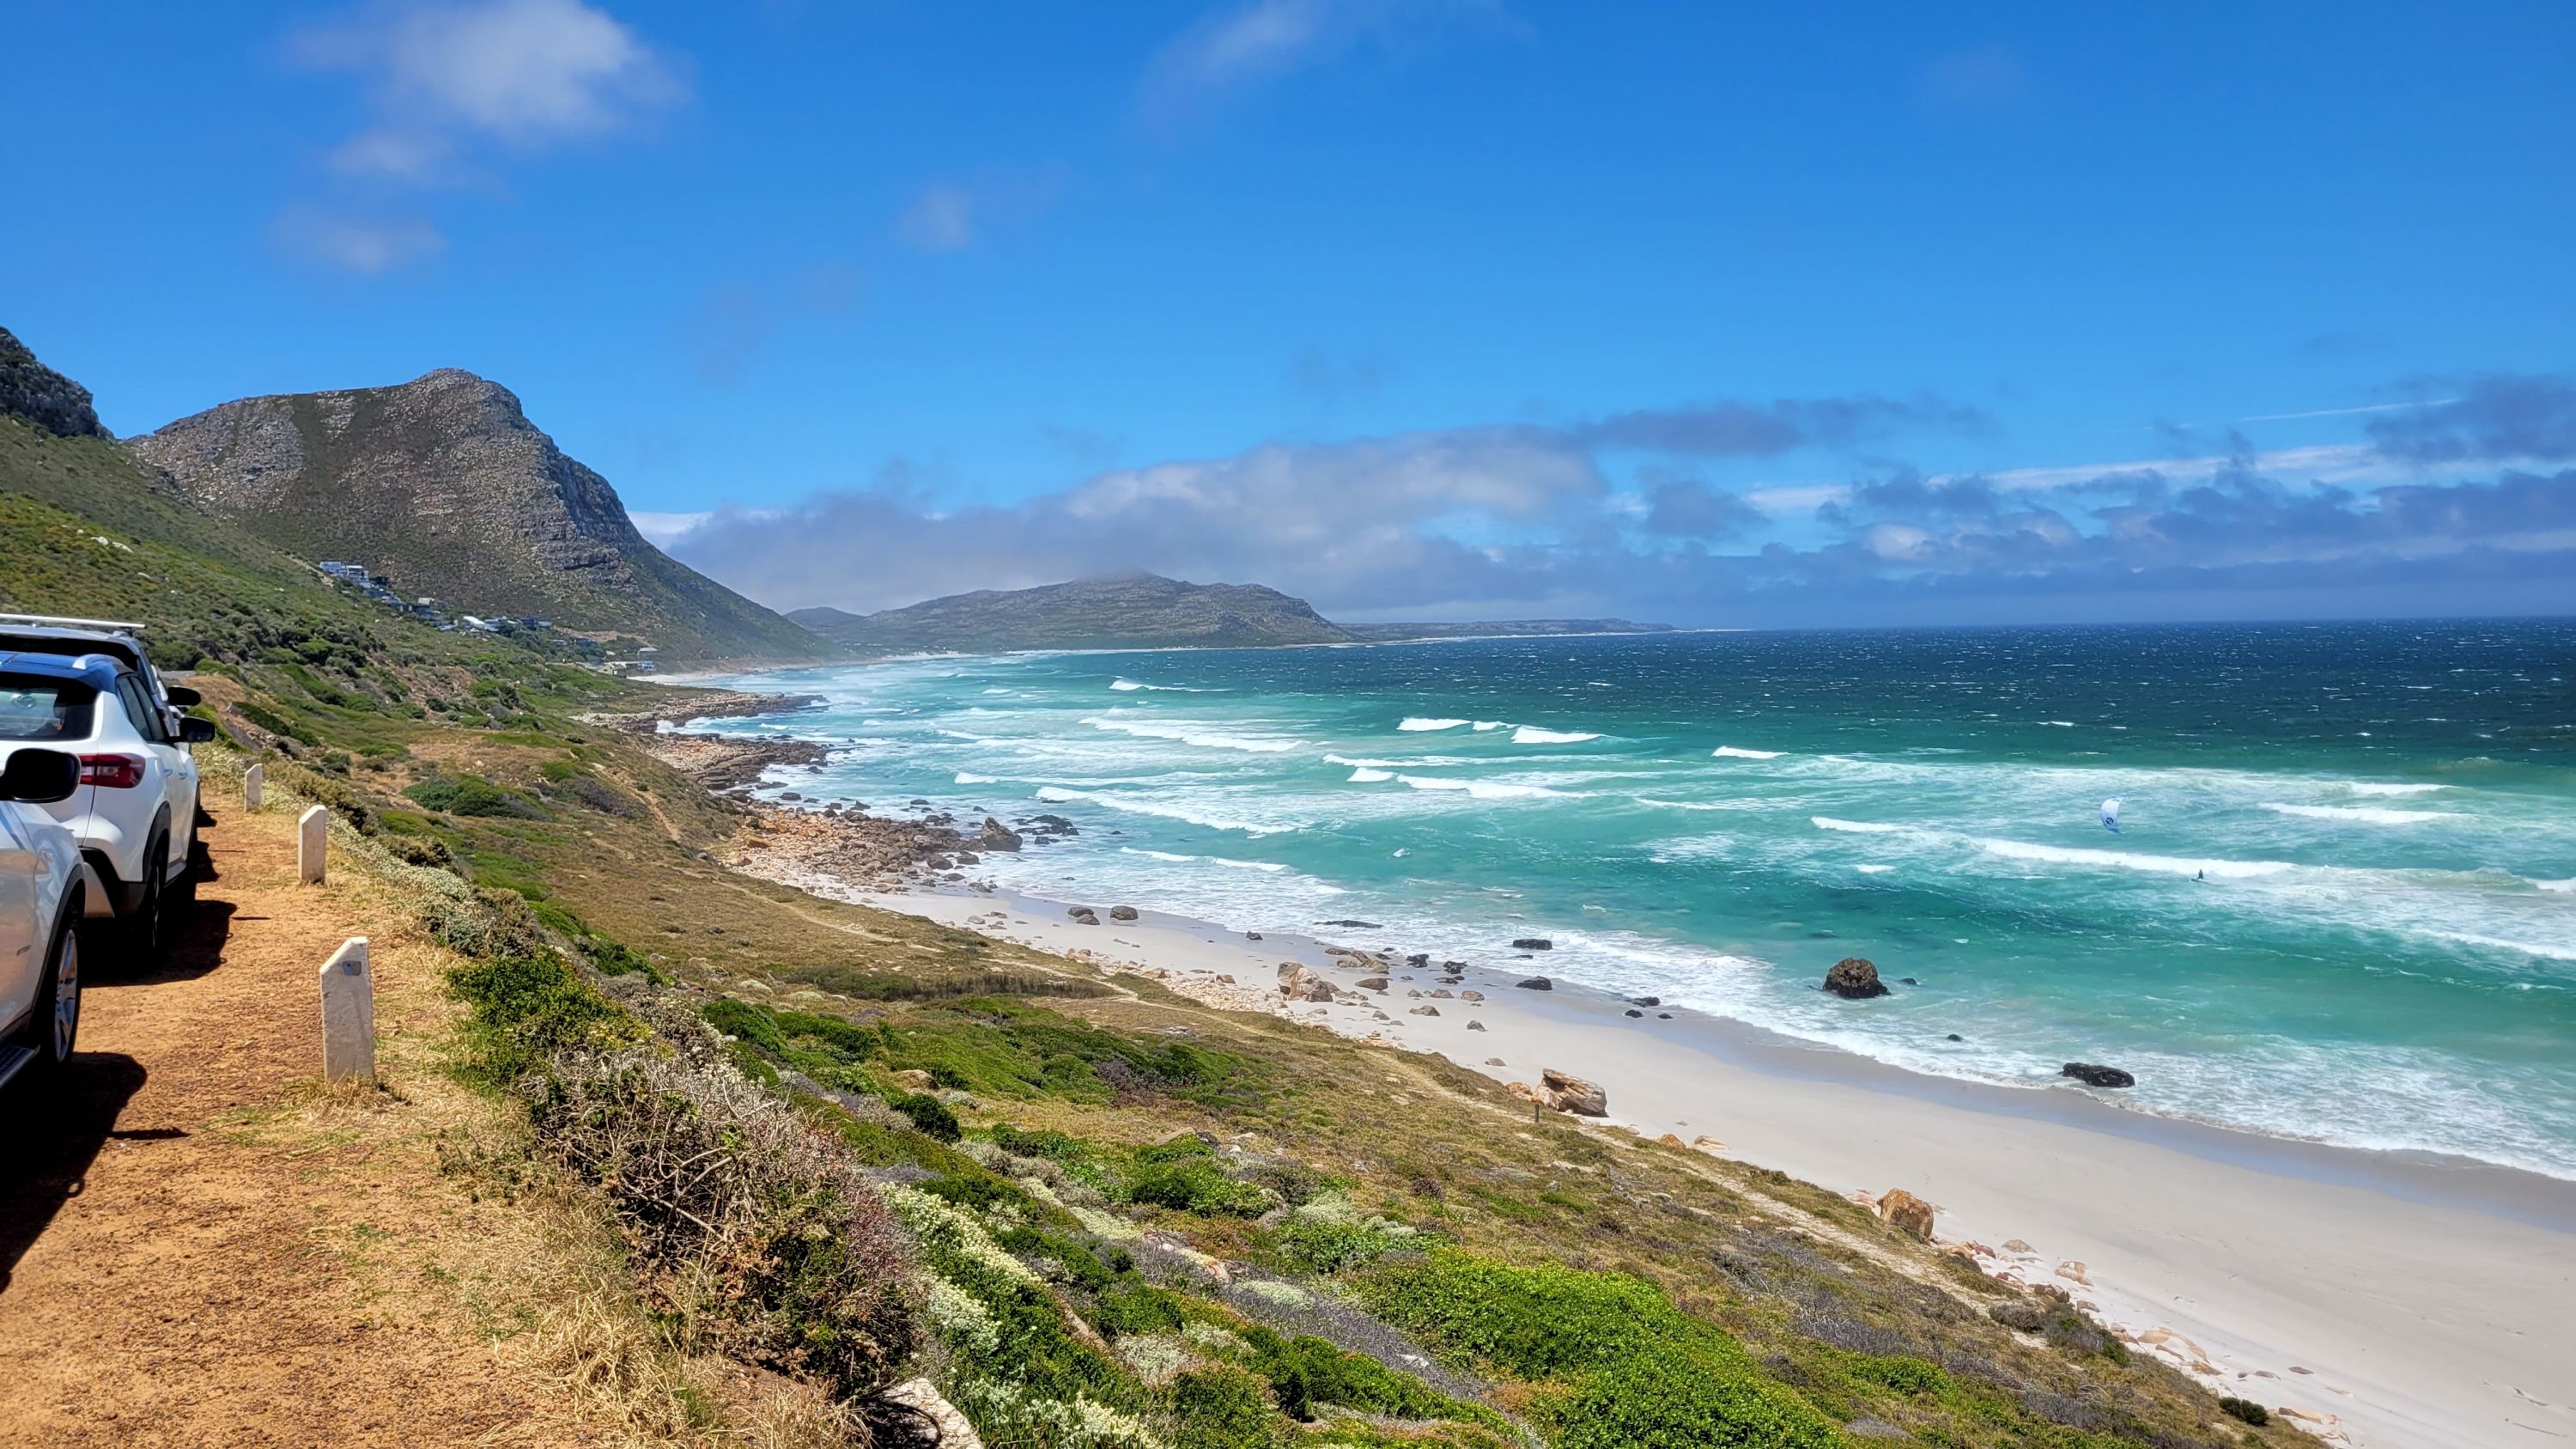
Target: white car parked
{"points": [[134, 809], [42, 887]]}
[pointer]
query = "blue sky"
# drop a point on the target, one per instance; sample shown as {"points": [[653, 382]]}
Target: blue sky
{"points": [[1724, 314]]}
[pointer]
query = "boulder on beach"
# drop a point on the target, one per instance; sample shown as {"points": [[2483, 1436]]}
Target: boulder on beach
{"points": [[1471, 996], [1645, 1001], [1536, 983], [1417, 960], [1854, 978], [1475, 1026], [1122, 913], [1569, 1093], [1084, 916], [1533, 943], [1300, 982], [1252, 935], [2097, 1076], [1424, 1011], [1371, 983], [1907, 1213], [1632, 1011]]}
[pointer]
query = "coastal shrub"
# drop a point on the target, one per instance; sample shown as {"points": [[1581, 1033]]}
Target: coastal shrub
{"points": [[1327, 1245], [1137, 1307], [1629, 1369], [2245, 1411], [1056, 1146], [1222, 1408], [472, 795], [1191, 1182], [930, 1116], [525, 1009], [774, 1249], [1306, 1370], [2069, 1329]]}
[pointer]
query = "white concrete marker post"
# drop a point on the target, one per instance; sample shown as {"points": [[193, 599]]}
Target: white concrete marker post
{"points": [[348, 1013], [252, 779], [312, 840]]}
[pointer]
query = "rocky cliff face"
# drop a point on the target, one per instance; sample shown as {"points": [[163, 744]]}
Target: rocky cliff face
{"points": [[1123, 611], [443, 484], [42, 396]]}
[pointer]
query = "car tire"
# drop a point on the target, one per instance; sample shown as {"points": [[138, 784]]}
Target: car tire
{"points": [[53, 1029], [146, 927], [179, 898]]}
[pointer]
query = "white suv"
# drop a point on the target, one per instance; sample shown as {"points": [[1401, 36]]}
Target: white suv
{"points": [[42, 887], [134, 812]]}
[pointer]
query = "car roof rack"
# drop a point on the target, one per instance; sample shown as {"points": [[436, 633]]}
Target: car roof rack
{"points": [[73, 623]]}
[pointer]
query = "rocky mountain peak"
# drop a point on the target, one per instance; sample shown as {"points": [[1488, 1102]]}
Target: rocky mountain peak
{"points": [[42, 396]]}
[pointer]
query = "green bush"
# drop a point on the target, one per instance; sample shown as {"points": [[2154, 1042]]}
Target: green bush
{"points": [[526, 1008], [1320, 1245], [1222, 1408], [930, 1116], [473, 795], [1305, 1371], [2245, 1410], [1631, 1369], [1195, 1185]]}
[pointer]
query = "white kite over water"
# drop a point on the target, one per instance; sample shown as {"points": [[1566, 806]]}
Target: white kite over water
{"points": [[2111, 816]]}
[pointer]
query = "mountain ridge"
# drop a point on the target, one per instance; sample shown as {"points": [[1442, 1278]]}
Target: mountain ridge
{"points": [[1114, 611], [445, 485]]}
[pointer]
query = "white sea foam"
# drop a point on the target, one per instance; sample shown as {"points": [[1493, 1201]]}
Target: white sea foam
{"points": [[1484, 725], [1361, 764], [1533, 735], [1873, 869], [1124, 684], [1856, 827], [2371, 787], [1195, 734], [1484, 789], [1692, 804], [1137, 805], [2131, 860], [2364, 814], [1364, 775], [2562, 887], [2064, 724], [1730, 752], [1419, 724], [2528, 948], [1271, 867], [966, 778]]}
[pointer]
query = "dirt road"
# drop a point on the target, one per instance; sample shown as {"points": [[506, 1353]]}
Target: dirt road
{"points": [[199, 1246]]}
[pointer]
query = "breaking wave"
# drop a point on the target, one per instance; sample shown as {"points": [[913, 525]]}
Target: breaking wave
{"points": [[1533, 735], [1419, 724]]}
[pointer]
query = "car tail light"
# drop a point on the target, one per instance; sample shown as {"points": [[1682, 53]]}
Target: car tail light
{"points": [[116, 772]]}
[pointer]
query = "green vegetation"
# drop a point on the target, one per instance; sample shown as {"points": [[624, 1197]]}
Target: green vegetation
{"points": [[1101, 1215]]}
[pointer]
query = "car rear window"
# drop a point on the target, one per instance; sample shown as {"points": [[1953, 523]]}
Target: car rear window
{"points": [[33, 707]]}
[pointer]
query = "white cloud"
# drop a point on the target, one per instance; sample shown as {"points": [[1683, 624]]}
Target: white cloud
{"points": [[662, 529], [355, 244], [941, 219], [1245, 44], [524, 72]]}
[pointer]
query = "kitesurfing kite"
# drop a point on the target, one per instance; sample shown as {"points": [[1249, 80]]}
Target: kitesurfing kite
{"points": [[2111, 816]]}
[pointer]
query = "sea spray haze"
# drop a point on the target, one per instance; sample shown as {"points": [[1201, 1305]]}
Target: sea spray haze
{"points": [[2342, 904]]}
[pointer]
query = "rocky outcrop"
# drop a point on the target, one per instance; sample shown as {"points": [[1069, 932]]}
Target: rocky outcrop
{"points": [[1301, 982], [1569, 1093], [31, 391], [2097, 1076], [1907, 1213], [1854, 979], [920, 1418], [997, 837], [1533, 943]]}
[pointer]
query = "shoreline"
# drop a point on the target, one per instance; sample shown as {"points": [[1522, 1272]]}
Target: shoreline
{"points": [[2380, 1297]]}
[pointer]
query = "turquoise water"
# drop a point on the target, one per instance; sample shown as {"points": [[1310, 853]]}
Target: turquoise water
{"points": [[2342, 905]]}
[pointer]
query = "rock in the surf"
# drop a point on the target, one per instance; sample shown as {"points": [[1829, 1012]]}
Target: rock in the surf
{"points": [[2097, 1076], [1569, 1093], [1854, 978], [996, 836], [1536, 983], [1533, 943], [1907, 1213]]}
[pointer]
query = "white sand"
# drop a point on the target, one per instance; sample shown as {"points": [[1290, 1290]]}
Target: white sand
{"points": [[2386, 1302]]}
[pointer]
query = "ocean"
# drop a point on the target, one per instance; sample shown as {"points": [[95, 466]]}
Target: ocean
{"points": [[2341, 904]]}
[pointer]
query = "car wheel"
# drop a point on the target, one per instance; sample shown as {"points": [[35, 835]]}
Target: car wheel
{"points": [[144, 935], [54, 1027], [180, 898]]}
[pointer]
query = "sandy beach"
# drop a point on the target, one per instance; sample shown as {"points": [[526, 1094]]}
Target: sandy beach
{"points": [[2385, 1300]]}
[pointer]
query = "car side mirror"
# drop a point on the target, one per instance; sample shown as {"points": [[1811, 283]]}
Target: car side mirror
{"points": [[182, 697], [196, 731], [39, 777]]}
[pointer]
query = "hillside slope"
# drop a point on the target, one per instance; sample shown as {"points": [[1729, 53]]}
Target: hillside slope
{"points": [[443, 484], [1120, 611]]}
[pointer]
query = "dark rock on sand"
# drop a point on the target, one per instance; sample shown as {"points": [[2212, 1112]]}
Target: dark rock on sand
{"points": [[1536, 983], [1370, 983], [1354, 925], [1084, 915], [2093, 1076], [1954, 1036], [1122, 913], [1645, 1001], [1475, 1026], [1533, 943], [1854, 979], [1632, 1011], [1252, 935]]}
